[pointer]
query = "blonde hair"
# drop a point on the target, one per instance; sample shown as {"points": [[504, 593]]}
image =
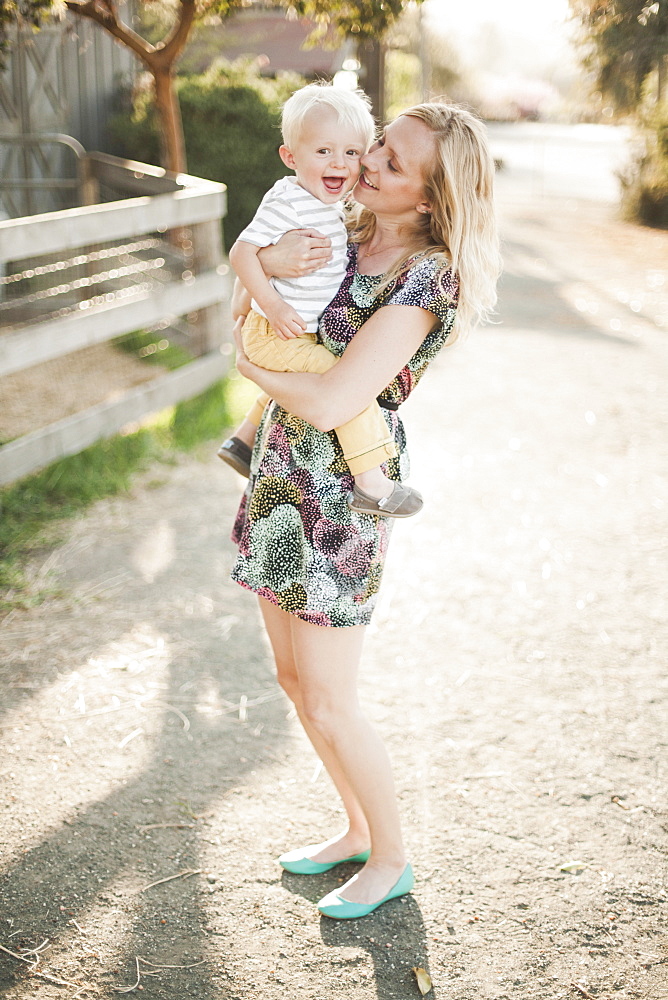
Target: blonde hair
{"points": [[462, 222], [352, 108]]}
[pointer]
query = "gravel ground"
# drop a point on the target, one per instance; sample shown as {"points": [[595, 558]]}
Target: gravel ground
{"points": [[516, 668]]}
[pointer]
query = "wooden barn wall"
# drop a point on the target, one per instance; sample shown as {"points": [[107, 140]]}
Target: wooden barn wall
{"points": [[64, 78]]}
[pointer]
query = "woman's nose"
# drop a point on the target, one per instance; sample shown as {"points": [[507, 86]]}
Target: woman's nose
{"points": [[367, 159]]}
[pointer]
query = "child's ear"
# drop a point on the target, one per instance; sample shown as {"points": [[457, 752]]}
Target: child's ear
{"points": [[287, 157]]}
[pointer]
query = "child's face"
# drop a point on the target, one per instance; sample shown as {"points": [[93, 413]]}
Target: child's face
{"points": [[326, 158]]}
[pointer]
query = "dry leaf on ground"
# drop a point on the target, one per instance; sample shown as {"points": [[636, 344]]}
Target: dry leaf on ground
{"points": [[423, 980]]}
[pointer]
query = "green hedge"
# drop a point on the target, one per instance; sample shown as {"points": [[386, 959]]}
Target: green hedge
{"points": [[231, 123], [645, 181]]}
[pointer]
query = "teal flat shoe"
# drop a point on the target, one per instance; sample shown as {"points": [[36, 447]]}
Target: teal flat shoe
{"points": [[338, 908], [295, 862]]}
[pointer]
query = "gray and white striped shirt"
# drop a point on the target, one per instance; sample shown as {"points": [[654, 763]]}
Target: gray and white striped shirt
{"points": [[287, 205]]}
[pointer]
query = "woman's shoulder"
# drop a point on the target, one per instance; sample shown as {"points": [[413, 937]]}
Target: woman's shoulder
{"points": [[428, 275], [427, 263]]}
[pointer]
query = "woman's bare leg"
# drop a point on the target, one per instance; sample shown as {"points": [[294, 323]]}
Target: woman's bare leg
{"points": [[326, 661], [356, 838]]}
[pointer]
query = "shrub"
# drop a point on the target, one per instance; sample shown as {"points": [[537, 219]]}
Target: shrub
{"points": [[645, 180], [231, 123]]}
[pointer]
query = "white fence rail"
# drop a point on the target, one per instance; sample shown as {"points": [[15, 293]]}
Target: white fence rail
{"points": [[83, 276]]}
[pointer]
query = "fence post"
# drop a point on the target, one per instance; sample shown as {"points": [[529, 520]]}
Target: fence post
{"points": [[89, 187], [209, 325]]}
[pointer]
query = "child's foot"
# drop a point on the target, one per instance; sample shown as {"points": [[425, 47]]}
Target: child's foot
{"points": [[237, 450], [236, 453], [374, 493], [403, 501]]}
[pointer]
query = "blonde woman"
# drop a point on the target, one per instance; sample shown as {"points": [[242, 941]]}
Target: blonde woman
{"points": [[422, 267]]}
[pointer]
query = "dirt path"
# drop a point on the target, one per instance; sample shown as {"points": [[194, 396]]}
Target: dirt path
{"points": [[515, 668]]}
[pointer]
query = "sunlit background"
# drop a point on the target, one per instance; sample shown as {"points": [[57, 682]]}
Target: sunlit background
{"points": [[514, 57], [517, 59]]}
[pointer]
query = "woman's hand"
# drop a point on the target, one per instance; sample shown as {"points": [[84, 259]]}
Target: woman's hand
{"points": [[241, 301], [298, 252], [238, 342]]}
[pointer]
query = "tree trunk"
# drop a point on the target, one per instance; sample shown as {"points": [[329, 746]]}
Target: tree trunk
{"points": [[371, 55], [158, 59], [171, 125]]}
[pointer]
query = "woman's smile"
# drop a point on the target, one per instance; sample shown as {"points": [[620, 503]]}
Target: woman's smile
{"points": [[365, 182]]}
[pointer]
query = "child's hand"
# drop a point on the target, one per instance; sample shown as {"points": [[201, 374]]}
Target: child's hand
{"points": [[285, 321]]}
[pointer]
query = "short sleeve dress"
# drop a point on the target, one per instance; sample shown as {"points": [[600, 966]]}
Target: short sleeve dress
{"points": [[300, 545]]}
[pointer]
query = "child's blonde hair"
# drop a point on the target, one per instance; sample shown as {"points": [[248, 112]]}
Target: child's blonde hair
{"points": [[352, 108], [462, 222]]}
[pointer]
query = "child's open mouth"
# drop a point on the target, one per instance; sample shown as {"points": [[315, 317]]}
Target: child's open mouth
{"points": [[334, 185]]}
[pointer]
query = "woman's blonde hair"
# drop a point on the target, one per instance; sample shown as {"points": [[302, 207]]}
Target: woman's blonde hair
{"points": [[462, 222]]}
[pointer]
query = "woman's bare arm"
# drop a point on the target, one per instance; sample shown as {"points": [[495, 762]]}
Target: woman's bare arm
{"points": [[380, 349]]}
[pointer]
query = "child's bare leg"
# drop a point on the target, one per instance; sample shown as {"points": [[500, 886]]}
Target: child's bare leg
{"points": [[375, 494], [367, 444], [374, 482], [236, 449], [246, 432]]}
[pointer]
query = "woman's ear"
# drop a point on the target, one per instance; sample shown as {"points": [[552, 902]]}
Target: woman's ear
{"points": [[287, 157], [424, 208]]}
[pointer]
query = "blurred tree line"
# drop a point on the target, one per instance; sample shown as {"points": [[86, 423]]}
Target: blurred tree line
{"points": [[227, 118], [627, 49], [367, 21]]}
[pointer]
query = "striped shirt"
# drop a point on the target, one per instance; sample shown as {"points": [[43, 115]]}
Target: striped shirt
{"points": [[287, 205]]}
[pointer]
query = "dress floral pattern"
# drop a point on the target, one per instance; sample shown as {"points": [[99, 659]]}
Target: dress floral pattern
{"points": [[300, 545]]}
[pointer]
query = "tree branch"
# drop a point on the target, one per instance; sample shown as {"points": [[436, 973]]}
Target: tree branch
{"points": [[105, 16], [170, 49]]}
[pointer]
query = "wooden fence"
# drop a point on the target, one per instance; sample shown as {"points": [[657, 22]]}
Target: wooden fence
{"points": [[85, 275]]}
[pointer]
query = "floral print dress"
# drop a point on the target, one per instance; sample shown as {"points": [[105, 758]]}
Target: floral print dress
{"points": [[300, 545]]}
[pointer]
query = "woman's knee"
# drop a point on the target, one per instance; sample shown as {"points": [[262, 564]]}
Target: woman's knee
{"points": [[329, 719], [288, 679]]}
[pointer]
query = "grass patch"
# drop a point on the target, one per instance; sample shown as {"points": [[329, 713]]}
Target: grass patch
{"points": [[33, 511], [153, 348]]}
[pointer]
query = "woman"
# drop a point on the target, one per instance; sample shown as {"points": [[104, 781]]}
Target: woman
{"points": [[423, 253]]}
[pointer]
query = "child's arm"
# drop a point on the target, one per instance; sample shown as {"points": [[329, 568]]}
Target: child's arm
{"points": [[283, 319]]}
